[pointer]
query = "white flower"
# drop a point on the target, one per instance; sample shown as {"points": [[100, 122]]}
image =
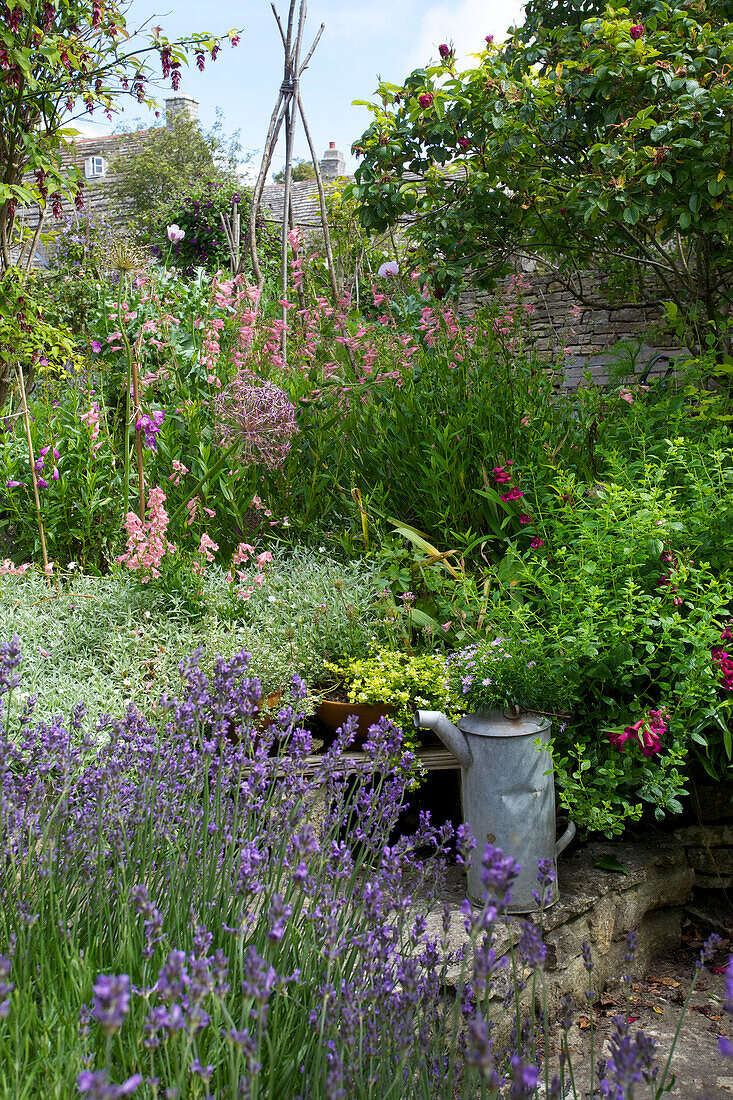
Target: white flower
{"points": [[175, 233], [388, 269]]}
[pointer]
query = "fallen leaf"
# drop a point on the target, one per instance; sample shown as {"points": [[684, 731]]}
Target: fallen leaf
{"points": [[610, 863]]}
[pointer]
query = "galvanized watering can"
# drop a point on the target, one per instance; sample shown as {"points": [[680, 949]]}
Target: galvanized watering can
{"points": [[508, 792]]}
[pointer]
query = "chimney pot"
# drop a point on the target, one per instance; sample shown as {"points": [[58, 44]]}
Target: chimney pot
{"points": [[333, 164], [183, 106]]}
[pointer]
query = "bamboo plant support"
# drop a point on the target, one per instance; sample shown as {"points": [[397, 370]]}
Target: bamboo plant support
{"points": [[31, 455]]}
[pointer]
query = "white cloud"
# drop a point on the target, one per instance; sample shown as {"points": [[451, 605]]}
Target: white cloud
{"points": [[368, 20], [88, 128], [466, 25]]}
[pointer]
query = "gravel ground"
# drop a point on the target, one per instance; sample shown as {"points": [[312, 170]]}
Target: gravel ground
{"points": [[656, 1001]]}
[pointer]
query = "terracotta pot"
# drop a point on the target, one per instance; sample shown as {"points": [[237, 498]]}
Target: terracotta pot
{"points": [[265, 716], [333, 714], [268, 704]]}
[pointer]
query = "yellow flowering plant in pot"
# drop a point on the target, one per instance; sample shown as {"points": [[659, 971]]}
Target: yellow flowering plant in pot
{"points": [[392, 683]]}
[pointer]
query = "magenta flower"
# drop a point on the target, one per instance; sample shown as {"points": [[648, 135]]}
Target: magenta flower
{"points": [[536, 543], [96, 346], [637, 31], [425, 100], [175, 233], [464, 143], [489, 39], [445, 51], [14, 484], [150, 425]]}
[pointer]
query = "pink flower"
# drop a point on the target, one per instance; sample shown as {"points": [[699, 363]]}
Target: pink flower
{"points": [[536, 543], [647, 731], [464, 143], [445, 51], [636, 31], [626, 395], [489, 39], [425, 100], [513, 494], [263, 558], [446, 626], [525, 518], [175, 233], [206, 546]]}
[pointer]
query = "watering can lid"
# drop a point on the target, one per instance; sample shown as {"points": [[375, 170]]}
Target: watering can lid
{"points": [[498, 723]]}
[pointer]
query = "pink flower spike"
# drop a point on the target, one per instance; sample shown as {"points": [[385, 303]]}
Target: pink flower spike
{"points": [[55, 474]]}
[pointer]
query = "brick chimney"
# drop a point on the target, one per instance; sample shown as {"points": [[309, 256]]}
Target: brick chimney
{"points": [[333, 164], [183, 106]]}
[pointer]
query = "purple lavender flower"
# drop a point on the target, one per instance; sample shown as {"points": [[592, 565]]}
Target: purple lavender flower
{"points": [[712, 944], [498, 872], [10, 658], [531, 947], [97, 1086], [6, 987], [111, 1001], [630, 1061], [277, 916], [259, 417], [632, 942], [524, 1078]]}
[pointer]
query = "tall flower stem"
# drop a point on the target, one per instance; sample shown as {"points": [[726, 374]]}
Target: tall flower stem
{"points": [[209, 474], [26, 417], [138, 438]]}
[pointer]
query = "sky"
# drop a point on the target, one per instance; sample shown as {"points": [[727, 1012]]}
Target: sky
{"points": [[361, 44]]}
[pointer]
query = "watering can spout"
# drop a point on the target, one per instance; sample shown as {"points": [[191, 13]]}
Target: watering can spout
{"points": [[450, 735]]}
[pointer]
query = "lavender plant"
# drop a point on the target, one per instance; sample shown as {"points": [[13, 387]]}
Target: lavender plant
{"points": [[189, 911]]}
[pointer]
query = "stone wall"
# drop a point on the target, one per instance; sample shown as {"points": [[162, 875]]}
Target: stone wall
{"points": [[581, 336]]}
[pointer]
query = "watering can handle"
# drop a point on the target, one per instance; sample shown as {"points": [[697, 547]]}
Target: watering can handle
{"points": [[565, 839]]}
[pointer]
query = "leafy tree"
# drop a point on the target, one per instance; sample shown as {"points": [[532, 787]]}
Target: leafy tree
{"points": [[166, 160], [302, 170], [61, 59], [602, 141]]}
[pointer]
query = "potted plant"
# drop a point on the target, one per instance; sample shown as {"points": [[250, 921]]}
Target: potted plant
{"points": [[505, 676], [390, 683]]}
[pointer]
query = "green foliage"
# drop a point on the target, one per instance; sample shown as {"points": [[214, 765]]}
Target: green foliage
{"points": [[198, 209], [60, 58], [125, 644], [506, 675], [301, 171], [28, 342], [623, 602], [167, 160], [583, 143], [405, 681]]}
